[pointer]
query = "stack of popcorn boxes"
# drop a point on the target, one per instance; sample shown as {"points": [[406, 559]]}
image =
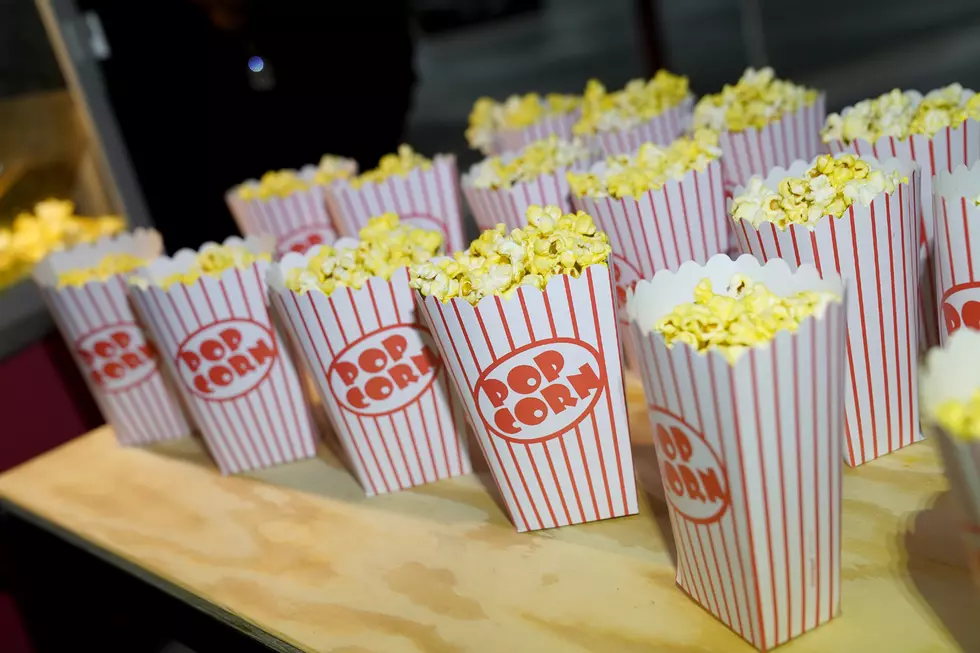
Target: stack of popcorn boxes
{"points": [[290, 205]]}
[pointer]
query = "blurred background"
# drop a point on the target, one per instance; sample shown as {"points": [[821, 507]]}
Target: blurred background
{"points": [[151, 109]]}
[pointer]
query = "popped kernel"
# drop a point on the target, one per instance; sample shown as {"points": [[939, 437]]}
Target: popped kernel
{"points": [[828, 187], [213, 260], [757, 100], [331, 168], [390, 165], [282, 183], [976, 201], [541, 157], [516, 112], [960, 418], [900, 114], [110, 265], [52, 226], [638, 102], [648, 169], [747, 315], [497, 263], [385, 246]]}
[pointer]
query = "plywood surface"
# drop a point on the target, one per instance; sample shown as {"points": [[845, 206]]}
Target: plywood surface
{"points": [[300, 554]]}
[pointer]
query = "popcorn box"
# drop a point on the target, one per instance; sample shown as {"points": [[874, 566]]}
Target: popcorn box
{"points": [[662, 129], [379, 376], [119, 363], [874, 247], [219, 342], [947, 148], [513, 140], [540, 377], [684, 220], [297, 221], [750, 455], [951, 373], [428, 199], [957, 219], [492, 206]]}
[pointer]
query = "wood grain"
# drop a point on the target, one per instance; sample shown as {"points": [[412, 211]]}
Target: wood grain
{"points": [[300, 554]]}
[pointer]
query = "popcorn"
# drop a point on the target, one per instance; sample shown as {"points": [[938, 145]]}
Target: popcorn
{"points": [[748, 315], [282, 183], [497, 263], [110, 265], [390, 165], [516, 112], [541, 157], [385, 246], [899, 114], [755, 101], [976, 200], [961, 419], [52, 226], [829, 187], [213, 260], [649, 168], [635, 104]]}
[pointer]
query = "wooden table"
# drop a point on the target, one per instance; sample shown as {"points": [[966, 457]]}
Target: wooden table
{"points": [[298, 557]]}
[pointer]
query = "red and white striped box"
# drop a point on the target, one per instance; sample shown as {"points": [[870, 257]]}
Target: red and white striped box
{"points": [[109, 345], [685, 220], [492, 206], [875, 248], [221, 346], [542, 382], [947, 374], [662, 130], [380, 378], [425, 198], [949, 147], [513, 140], [750, 455], [957, 219], [297, 221]]}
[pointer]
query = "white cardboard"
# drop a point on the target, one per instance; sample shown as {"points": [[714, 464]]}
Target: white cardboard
{"points": [[957, 276], [109, 345], [221, 347], [875, 249], [750, 455], [662, 130], [567, 459], [513, 140], [948, 148], [365, 343], [954, 373], [424, 198]]}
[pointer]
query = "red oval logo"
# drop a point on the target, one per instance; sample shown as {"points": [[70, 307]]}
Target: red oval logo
{"points": [[303, 239], [961, 307], [694, 479], [385, 370], [117, 356], [625, 276], [425, 221], [227, 359], [541, 390]]}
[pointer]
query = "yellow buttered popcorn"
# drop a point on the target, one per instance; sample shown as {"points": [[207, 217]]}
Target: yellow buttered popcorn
{"points": [[282, 183], [332, 168], [960, 418], [900, 114], [635, 104], [758, 99], [385, 246], [828, 187], [649, 168], [213, 260], [390, 165], [516, 112], [497, 263], [746, 316], [541, 157], [111, 264]]}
